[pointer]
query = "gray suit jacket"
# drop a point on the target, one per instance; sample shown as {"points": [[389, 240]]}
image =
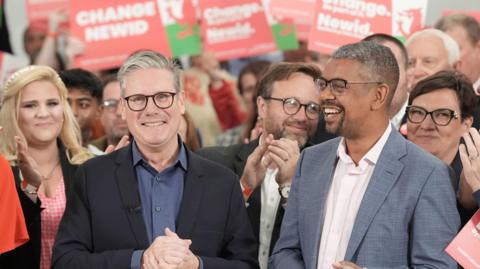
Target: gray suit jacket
{"points": [[406, 219]]}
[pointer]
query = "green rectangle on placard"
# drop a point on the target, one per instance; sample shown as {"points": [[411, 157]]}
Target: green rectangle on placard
{"points": [[285, 36], [402, 39], [184, 39]]}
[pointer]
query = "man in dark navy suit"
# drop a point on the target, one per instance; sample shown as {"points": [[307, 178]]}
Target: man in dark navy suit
{"points": [[154, 204]]}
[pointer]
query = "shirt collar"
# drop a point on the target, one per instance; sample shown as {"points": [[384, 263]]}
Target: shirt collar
{"points": [[372, 155], [181, 157], [397, 119]]}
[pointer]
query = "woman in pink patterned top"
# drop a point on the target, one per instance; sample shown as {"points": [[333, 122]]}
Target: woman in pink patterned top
{"points": [[41, 140]]}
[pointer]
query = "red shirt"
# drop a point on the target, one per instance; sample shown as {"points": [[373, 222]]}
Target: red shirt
{"points": [[12, 225], [227, 107]]}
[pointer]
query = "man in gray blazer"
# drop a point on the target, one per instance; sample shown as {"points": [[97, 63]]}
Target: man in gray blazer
{"points": [[368, 198]]}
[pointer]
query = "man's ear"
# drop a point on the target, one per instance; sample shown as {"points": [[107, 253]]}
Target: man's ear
{"points": [[380, 96], [181, 101], [261, 107], [477, 47], [98, 110], [458, 65]]}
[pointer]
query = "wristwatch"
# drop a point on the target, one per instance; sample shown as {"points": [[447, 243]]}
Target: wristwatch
{"points": [[284, 191]]}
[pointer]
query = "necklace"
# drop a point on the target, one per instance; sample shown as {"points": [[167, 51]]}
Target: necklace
{"points": [[51, 171]]}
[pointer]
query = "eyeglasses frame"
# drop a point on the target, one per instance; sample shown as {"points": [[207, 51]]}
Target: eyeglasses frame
{"points": [[284, 100]]}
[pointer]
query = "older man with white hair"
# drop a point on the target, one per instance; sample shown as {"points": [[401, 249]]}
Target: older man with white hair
{"points": [[430, 51]]}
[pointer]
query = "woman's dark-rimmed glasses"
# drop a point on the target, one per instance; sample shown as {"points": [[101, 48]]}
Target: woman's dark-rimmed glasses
{"points": [[441, 116]]}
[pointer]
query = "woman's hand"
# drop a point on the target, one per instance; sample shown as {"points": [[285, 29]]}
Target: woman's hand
{"points": [[470, 176], [28, 166]]}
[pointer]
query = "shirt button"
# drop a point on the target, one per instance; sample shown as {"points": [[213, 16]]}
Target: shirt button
{"points": [[157, 179], [157, 209], [264, 253], [268, 226]]}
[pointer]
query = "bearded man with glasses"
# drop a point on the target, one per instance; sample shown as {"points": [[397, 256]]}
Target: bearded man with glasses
{"points": [[288, 104], [153, 203], [440, 111]]}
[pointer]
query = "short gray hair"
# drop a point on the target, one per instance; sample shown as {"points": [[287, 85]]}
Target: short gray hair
{"points": [[379, 61], [449, 43], [145, 59]]}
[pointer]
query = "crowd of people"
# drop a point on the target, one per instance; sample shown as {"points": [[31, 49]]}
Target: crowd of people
{"points": [[367, 160]]}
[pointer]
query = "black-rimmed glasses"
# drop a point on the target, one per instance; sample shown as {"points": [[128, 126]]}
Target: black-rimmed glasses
{"points": [[441, 117], [291, 106], [138, 102], [339, 85]]}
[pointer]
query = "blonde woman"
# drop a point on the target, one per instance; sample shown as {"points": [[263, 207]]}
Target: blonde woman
{"points": [[42, 142]]}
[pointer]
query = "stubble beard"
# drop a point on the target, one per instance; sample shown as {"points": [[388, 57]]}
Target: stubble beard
{"points": [[282, 132], [338, 128]]}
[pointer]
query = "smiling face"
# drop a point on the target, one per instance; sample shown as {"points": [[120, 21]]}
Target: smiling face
{"points": [[275, 121], [441, 141], [153, 128], [426, 56], [345, 114], [40, 113]]}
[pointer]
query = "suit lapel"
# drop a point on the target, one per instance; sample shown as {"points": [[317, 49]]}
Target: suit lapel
{"points": [[254, 206], [192, 196], [127, 185], [242, 156], [317, 198], [386, 173]]}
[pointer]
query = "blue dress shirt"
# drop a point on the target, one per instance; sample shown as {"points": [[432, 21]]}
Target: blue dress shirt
{"points": [[160, 194]]}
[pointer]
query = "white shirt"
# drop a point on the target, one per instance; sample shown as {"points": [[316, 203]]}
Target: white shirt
{"points": [[94, 150], [397, 119], [344, 198], [270, 200]]}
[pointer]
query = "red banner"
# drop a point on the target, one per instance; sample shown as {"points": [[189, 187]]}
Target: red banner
{"points": [[39, 10], [235, 28], [342, 22], [112, 30], [465, 248], [338, 23], [302, 12]]}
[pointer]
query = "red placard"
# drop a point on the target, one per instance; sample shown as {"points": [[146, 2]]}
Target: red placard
{"points": [[39, 10], [112, 30], [465, 247], [338, 23], [475, 14], [235, 28], [302, 12]]}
